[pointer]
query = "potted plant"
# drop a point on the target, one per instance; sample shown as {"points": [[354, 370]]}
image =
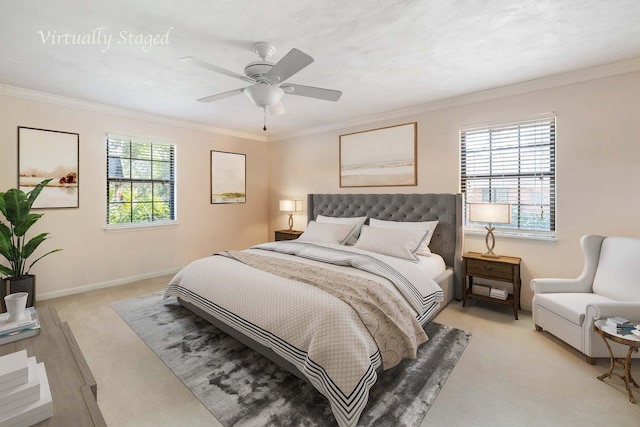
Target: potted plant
{"points": [[15, 205]]}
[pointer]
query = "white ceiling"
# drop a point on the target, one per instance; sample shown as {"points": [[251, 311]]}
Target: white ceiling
{"points": [[384, 55]]}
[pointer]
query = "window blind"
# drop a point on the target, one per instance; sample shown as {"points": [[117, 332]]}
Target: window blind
{"points": [[140, 181], [512, 163]]}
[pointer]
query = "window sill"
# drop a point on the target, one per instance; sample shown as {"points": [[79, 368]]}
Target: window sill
{"points": [[515, 236], [141, 226]]}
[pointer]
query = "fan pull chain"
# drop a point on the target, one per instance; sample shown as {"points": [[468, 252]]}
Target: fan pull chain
{"points": [[264, 110]]}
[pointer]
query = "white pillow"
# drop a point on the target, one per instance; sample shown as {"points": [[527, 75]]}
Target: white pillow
{"points": [[399, 243], [358, 221], [326, 233], [424, 226]]}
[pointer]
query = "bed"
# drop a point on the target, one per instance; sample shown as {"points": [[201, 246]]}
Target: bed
{"points": [[306, 329]]}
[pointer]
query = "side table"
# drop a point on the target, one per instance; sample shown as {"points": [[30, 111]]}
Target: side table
{"points": [[505, 269], [633, 341], [287, 234], [73, 388]]}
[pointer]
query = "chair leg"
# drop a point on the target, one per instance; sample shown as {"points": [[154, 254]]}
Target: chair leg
{"points": [[538, 328], [591, 360]]}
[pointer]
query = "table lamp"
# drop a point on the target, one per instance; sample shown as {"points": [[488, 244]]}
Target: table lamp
{"points": [[492, 213], [291, 206]]}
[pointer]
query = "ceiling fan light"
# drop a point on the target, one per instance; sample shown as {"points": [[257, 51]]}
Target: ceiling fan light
{"points": [[264, 95]]}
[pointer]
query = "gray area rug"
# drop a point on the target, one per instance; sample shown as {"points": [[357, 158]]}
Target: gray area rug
{"points": [[242, 388]]}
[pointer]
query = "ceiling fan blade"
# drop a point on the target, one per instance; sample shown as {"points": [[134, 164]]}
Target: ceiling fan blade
{"points": [[199, 63], [277, 110], [292, 62], [222, 95], [312, 92]]}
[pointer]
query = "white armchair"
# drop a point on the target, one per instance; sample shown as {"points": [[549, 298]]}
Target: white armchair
{"points": [[609, 286]]}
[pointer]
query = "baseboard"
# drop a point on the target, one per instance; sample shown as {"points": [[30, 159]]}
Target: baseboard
{"points": [[107, 284]]}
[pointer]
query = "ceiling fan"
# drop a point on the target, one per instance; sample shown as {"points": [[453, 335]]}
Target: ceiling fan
{"points": [[268, 79]]}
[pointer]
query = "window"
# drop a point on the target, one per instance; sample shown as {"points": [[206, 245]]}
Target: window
{"points": [[512, 163], [140, 181]]}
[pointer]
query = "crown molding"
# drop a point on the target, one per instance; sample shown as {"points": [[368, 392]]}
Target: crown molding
{"points": [[34, 95], [557, 80], [564, 79]]}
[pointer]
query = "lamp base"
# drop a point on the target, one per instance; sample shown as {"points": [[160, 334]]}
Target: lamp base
{"points": [[490, 255], [490, 241]]}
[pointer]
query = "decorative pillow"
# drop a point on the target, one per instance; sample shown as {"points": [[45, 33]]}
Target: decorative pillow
{"points": [[326, 233], [424, 226], [357, 221], [389, 241]]}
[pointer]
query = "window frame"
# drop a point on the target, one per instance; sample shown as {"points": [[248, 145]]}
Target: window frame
{"points": [[550, 120], [172, 182]]}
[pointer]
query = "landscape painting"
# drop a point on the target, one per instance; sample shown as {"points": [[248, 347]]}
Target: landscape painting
{"points": [[379, 157], [47, 154], [228, 177]]}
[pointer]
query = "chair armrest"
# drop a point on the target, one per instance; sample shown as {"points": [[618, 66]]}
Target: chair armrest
{"points": [[548, 286], [602, 310]]}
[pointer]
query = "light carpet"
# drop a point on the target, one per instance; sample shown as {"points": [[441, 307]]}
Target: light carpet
{"points": [[242, 388]]}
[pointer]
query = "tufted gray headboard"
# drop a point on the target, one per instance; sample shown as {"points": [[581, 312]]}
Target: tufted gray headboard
{"points": [[446, 208]]}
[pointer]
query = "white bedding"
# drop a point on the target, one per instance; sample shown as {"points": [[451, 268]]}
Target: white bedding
{"points": [[433, 265], [318, 333]]}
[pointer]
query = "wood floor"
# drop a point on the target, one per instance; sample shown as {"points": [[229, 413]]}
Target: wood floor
{"points": [[508, 375]]}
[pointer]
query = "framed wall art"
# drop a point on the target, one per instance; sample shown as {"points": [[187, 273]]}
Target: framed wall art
{"points": [[50, 154], [382, 157], [228, 177]]}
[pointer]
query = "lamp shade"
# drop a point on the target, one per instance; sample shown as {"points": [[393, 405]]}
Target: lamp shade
{"points": [[264, 95], [291, 205], [494, 213]]}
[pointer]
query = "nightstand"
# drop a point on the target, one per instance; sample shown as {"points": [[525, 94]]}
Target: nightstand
{"points": [[504, 269], [287, 234]]}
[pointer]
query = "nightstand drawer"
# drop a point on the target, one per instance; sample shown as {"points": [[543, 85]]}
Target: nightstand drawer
{"points": [[287, 234], [493, 270]]}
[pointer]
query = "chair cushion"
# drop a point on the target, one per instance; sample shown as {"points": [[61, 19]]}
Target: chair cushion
{"points": [[571, 306], [618, 269]]}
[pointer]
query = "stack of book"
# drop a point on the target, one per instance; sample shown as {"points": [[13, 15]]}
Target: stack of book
{"points": [[25, 397], [499, 293], [620, 325], [488, 291], [13, 331], [481, 289], [636, 330]]}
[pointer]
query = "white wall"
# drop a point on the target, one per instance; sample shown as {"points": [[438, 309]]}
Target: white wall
{"points": [[92, 256], [597, 166]]}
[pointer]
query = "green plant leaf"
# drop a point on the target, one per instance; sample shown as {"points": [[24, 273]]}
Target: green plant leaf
{"points": [[3, 209], [5, 232], [7, 252], [5, 240], [5, 244], [16, 261], [48, 253], [33, 194], [21, 230], [33, 244], [15, 201], [6, 271], [15, 205]]}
